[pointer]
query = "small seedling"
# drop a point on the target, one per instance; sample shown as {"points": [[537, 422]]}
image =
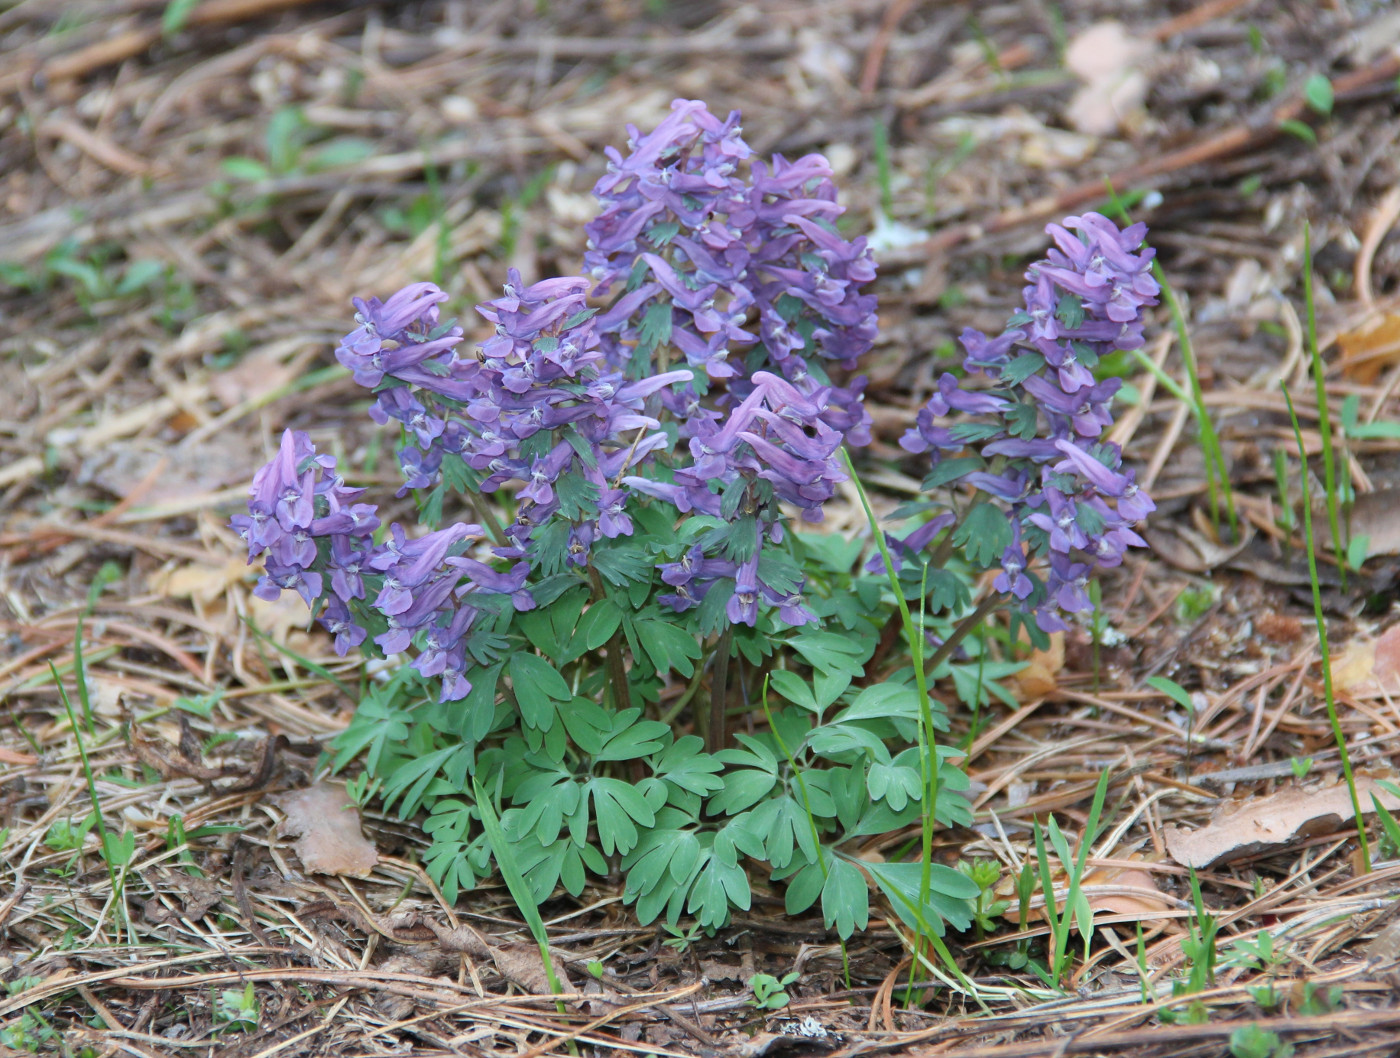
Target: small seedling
{"points": [[987, 909], [237, 1009], [681, 939], [1301, 766], [1255, 1041], [1318, 1000], [769, 993], [596, 968]]}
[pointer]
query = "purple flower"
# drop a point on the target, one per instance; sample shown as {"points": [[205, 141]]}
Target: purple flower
{"points": [[1042, 418]]}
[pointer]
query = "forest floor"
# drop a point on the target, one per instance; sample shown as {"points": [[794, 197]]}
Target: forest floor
{"points": [[185, 211]]}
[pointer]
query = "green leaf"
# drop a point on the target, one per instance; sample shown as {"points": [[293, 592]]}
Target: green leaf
{"points": [[950, 894], [596, 627], [347, 150], [286, 130], [792, 687], [743, 788], [639, 738], [718, 885], [684, 764], [578, 498], [1297, 128], [1022, 368], [655, 328], [669, 647], [618, 806], [949, 470], [1070, 311], [1173, 690], [984, 534], [880, 701], [1317, 91], [176, 14], [622, 563], [845, 899], [536, 683]]}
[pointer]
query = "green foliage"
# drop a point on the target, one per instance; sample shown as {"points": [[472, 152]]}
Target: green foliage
{"points": [[583, 781], [237, 1010], [1317, 93], [770, 993], [1255, 1041]]}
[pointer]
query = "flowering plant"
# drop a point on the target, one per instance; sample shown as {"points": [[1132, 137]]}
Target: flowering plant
{"points": [[630, 449]]}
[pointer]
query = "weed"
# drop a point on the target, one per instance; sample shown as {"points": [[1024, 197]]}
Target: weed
{"points": [[1337, 736], [1318, 1000], [1255, 1041], [770, 993], [681, 939], [1077, 913], [237, 1009]]}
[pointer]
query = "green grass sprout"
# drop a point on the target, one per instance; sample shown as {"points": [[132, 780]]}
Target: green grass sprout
{"points": [[1336, 725]]}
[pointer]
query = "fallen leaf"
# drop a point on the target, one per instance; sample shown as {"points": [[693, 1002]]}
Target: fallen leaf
{"points": [[1369, 668], [193, 897], [196, 580], [1111, 63], [1370, 348], [1123, 891], [328, 825], [1372, 516], [1112, 890], [1260, 824], [521, 965], [1038, 678], [254, 376]]}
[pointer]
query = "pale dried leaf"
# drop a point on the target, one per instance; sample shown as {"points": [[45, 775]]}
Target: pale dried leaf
{"points": [[1369, 668], [521, 965], [1038, 678], [253, 377], [1112, 65], [1263, 823], [328, 823], [1370, 348], [203, 583]]}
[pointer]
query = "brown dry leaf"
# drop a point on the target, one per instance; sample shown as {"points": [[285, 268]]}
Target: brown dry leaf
{"points": [[1112, 890], [1262, 823], [1124, 891], [193, 896], [1370, 348], [1372, 516], [1038, 678], [196, 580], [1111, 63], [328, 823], [1369, 668], [253, 377], [521, 965]]}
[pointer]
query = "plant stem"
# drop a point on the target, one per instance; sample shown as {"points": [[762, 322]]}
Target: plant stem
{"points": [[719, 683], [1324, 419], [617, 668], [959, 633], [1332, 720]]}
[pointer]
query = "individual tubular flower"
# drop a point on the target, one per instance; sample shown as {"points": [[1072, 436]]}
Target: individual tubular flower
{"points": [[1042, 414]]}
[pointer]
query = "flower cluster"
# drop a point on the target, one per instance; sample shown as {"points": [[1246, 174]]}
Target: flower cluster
{"points": [[705, 254], [547, 411], [306, 522], [764, 453], [1063, 491]]}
